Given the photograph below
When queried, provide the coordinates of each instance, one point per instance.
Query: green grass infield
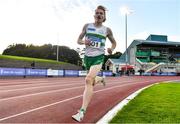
(157, 104)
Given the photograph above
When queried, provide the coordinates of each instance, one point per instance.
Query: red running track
(54, 100)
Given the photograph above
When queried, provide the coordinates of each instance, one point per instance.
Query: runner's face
(99, 15)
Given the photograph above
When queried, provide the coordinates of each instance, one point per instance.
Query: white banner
(82, 73)
(51, 72)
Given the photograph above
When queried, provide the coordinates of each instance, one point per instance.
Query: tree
(46, 51)
(113, 56)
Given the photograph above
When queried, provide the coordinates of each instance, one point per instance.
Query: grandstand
(155, 54)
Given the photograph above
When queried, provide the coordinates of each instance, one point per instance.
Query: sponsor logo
(91, 29)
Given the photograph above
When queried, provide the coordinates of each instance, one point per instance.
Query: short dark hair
(104, 9)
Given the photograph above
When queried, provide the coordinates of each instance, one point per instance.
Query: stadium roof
(160, 40)
(172, 43)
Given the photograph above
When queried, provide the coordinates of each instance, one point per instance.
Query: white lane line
(33, 85)
(28, 79)
(54, 85)
(15, 97)
(14, 82)
(50, 85)
(40, 93)
(42, 107)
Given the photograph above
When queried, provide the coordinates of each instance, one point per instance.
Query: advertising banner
(100, 73)
(107, 73)
(12, 72)
(82, 73)
(36, 72)
(51, 72)
(61, 73)
(172, 73)
(71, 73)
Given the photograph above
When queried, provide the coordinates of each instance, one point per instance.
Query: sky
(40, 22)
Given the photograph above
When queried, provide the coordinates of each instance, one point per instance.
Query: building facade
(155, 53)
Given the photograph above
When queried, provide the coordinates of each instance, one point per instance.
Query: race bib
(95, 42)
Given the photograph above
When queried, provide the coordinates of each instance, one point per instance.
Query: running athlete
(93, 36)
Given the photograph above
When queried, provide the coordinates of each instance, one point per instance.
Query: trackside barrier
(82, 73)
(60, 73)
(51, 72)
(5, 72)
(107, 73)
(36, 72)
(160, 74)
(70, 73)
(12, 72)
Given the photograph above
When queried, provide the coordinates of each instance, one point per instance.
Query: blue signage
(100, 73)
(107, 73)
(71, 73)
(12, 72)
(36, 72)
(60, 72)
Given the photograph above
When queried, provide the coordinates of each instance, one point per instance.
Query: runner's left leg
(99, 79)
(88, 92)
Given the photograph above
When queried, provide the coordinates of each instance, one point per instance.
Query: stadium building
(155, 54)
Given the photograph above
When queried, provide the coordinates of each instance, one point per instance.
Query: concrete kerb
(107, 117)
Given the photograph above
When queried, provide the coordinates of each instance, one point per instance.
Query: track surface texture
(55, 100)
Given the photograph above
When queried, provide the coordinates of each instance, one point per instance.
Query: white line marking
(50, 85)
(39, 93)
(33, 85)
(42, 107)
(45, 92)
(39, 87)
(25, 82)
(32, 110)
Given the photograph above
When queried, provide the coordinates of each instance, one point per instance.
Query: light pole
(126, 11)
(57, 54)
(126, 40)
(57, 49)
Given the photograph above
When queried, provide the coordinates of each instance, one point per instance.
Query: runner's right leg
(88, 92)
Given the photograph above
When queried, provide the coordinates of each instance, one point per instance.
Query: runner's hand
(87, 42)
(110, 51)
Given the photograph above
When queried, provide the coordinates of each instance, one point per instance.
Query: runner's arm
(80, 40)
(112, 40)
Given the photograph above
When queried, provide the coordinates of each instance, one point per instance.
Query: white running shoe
(79, 116)
(103, 80)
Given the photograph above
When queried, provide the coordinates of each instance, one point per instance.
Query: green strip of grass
(29, 59)
(157, 104)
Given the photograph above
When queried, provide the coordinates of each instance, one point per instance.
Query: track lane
(51, 105)
(62, 111)
(45, 82)
(33, 90)
(31, 101)
(40, 89)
